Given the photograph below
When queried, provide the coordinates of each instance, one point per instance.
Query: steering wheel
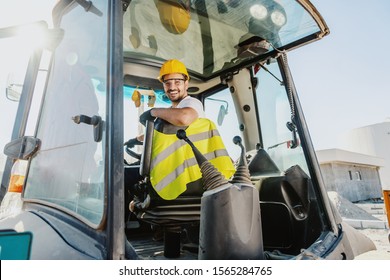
(131, 152)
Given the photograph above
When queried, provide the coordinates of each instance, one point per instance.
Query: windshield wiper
(266, 69)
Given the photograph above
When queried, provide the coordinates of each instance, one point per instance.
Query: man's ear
(186, 84)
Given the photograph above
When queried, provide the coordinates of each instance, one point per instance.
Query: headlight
(278, 18)
(258, 11)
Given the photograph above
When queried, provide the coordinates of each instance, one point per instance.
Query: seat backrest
(147, 149)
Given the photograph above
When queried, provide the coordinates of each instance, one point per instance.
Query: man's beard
(176, 96)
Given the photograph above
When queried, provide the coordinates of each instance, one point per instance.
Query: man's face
(175, 87)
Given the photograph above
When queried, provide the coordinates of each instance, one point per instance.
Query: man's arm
(176, 116)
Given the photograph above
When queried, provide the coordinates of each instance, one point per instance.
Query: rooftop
(348, 157)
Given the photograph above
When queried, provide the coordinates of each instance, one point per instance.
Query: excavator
(94, 72)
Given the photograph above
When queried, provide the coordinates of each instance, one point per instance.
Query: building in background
(372, 140)
(352, 175)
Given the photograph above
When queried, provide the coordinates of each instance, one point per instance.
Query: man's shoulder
(189, 99)
(194, 103)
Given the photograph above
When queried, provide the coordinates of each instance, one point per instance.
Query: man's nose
(171, 86)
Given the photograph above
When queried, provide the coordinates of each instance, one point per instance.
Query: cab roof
(216, 37)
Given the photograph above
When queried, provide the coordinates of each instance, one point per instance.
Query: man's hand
(146, 116)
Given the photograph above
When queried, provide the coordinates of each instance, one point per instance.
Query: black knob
(237, 140)
(181, 134)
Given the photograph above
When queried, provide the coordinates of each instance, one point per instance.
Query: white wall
(372, 140)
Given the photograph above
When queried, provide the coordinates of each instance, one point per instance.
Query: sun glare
(31, 36)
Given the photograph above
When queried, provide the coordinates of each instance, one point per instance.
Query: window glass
(212, 30)
(358, 176)
(136, 101)
(68, 170)
(275, 115)
(220, 109)
(38, 92)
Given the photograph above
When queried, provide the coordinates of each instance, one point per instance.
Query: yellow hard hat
(173, 66)
(174, 16)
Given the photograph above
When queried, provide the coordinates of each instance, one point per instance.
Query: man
(184, 110)
(173, 165)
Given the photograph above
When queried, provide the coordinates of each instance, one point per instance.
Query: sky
(342, 80)
(24, 11)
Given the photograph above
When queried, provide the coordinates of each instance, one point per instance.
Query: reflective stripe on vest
(173, 164)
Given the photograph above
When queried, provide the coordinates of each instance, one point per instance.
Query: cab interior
(289, 211)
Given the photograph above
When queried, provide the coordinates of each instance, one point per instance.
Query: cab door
(77, 172)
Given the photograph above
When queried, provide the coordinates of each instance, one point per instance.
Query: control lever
(212, 178)
(242, 175)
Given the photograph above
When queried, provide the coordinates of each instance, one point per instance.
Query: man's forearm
(176, 116)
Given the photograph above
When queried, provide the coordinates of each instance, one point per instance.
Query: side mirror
(221, 114)
(22, 148)
(223, 110)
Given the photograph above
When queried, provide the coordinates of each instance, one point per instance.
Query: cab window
(220, 109)
(275, 118)
(137, 100)
(68, 170)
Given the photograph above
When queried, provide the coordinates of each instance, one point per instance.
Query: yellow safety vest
(173, 163)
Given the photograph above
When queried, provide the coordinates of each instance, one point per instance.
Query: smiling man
(173, 167)
(185, 109)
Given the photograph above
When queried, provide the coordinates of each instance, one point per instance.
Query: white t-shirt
(193, 103)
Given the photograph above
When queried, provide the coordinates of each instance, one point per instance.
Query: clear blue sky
(344, 79)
